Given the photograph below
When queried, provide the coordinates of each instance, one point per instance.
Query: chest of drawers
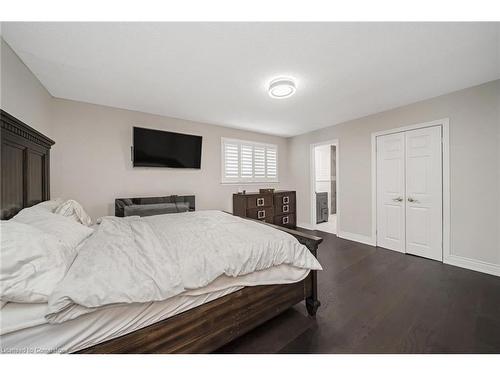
(276, 208)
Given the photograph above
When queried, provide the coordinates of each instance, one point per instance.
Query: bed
(194, 321)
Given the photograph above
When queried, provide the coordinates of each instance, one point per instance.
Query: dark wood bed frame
(25, 171)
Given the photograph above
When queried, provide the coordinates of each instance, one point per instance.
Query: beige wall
(91, 159)
(474, 115)
(22, 95)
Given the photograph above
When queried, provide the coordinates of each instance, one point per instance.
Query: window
(244, 161)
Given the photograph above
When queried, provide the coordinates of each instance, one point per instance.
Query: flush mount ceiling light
(281, 88)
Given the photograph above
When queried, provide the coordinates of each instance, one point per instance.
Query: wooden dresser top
(255, 193)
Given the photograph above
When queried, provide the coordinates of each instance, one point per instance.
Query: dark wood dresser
(276, 208)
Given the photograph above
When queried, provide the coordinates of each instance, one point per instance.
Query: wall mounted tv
(156, 148)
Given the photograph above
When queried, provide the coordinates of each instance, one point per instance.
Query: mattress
(24, 329)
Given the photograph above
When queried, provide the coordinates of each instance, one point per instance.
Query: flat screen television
(156, 148)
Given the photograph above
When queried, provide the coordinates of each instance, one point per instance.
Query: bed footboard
(312, 243)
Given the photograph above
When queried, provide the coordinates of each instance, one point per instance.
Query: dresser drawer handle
(285, 219)
(260, 202)
(285, 208)
(286, 200)
(261, 214)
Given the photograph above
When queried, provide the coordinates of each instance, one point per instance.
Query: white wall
(323, 171)
(474, 115)
(322, 163)
(91, 159)
(22, 95)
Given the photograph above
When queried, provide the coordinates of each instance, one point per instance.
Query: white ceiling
(217, 72)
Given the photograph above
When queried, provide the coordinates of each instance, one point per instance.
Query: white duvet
(134, 259)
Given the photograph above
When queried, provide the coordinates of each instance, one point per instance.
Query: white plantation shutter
(244, 161)
(259, 162)
(231, 161)
(271, 162)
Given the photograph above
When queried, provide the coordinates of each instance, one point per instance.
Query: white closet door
(424, 193)
(391, 191)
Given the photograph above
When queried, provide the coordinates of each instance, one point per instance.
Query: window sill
(249, 183)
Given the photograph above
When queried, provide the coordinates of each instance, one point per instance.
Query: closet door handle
(398, 199)
(411, 200)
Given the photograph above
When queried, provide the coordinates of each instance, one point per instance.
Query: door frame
(312, 180)
(445, 124)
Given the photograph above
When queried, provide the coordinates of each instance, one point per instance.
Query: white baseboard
(453, 260)
(472, 264)
(306, 226)
(356, 237)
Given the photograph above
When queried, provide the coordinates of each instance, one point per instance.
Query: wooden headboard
(25, 166)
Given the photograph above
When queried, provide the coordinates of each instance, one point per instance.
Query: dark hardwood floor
(380, 301)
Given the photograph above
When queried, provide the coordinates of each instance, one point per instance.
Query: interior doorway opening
(324, 183)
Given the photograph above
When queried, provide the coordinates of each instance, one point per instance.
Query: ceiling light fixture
(281, 88)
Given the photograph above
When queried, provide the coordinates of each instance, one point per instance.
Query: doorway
(412, 190)
(324, 186)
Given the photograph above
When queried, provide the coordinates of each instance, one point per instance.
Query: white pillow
(31, 263)
(50, 205)
(75, 211)
(61, 227)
